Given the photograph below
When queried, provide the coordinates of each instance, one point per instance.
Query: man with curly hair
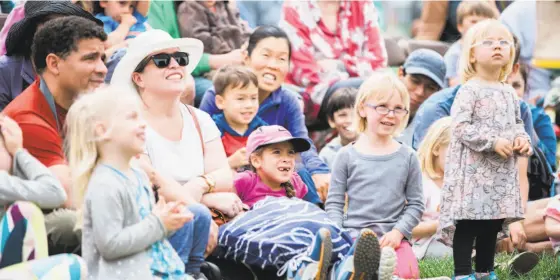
(68, 56)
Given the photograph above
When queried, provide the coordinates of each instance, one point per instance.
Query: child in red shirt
(237, 95)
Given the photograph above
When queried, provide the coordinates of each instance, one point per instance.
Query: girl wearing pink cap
(272, 155)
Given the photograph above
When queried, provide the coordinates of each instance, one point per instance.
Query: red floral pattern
(357, 45)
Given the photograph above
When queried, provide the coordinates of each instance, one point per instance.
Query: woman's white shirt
(181, 160)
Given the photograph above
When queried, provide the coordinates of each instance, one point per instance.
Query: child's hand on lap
(239, 158)
(503, 147)
(11, 131)
(391, 239)
(172, 215)
(522, 146)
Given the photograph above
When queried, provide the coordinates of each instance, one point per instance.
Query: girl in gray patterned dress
(481, 195)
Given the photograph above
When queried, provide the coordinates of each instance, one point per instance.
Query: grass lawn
(548, 268)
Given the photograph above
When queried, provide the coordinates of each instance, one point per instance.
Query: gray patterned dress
(478, 183)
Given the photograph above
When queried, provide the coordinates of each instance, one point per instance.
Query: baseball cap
(428, 63)
(273, 134)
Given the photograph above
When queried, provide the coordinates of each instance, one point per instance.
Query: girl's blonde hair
(81, 140)
(439, 134)
(476, 34)
(380, 87)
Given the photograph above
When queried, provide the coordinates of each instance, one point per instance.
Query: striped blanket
(276, 230)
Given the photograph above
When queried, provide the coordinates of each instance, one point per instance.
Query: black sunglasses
(162, 60)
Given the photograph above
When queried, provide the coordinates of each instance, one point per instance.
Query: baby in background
(340, 117)
(237, 95)
(468, 14)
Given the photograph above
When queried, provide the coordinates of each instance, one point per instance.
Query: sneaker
(362, 260)
(314, 264)
(522, 263)
(490, 276)
(387, 263)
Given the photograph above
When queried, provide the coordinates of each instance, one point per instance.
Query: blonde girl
(124, 230)
(431, 154)
(481, 193)
(380, 176)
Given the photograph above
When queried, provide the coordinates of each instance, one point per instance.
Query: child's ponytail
(290, 190)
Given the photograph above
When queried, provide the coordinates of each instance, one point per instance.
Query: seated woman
(184, 154)
(335, 44)
(268, 55)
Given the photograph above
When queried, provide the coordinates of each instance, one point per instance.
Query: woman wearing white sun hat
(184, 154)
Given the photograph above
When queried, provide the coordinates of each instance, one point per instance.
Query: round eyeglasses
(381, 109)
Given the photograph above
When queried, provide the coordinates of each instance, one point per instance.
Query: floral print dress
(478, 183)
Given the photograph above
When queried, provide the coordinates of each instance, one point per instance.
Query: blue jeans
(190, 241)
(201, 85)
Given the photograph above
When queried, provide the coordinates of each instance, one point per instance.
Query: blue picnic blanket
(276, 230)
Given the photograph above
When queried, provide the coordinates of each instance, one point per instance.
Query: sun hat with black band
(20, 36)
(148, 43)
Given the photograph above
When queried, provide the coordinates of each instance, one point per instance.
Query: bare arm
(169, 188)
(425, 229)
(143, 7)
(433, 18)
(62, 173)
(522, 165)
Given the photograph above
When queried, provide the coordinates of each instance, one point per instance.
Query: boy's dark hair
(475, 8)
(61, 36)
(341, 99)
(232, 76)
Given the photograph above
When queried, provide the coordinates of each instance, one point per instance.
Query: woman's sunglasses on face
(162, 60)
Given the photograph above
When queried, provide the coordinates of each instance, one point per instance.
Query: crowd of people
(175, 140)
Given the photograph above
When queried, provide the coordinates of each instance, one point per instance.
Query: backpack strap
(197, 125)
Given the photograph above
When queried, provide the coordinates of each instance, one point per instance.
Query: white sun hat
(150, 42)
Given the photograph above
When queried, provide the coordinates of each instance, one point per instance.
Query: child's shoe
(362, 261)
(315, 263)
(487, 276)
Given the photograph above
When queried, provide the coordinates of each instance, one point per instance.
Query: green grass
(548, 268)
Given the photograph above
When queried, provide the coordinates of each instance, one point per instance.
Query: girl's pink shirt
(17, 14)
(251, 189)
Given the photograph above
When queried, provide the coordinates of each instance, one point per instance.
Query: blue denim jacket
(439, 105)
(280, 108)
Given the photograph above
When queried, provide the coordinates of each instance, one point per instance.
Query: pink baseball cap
(273, 134)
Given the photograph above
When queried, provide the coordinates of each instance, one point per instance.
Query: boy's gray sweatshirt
(384, 192)
(31, 181)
